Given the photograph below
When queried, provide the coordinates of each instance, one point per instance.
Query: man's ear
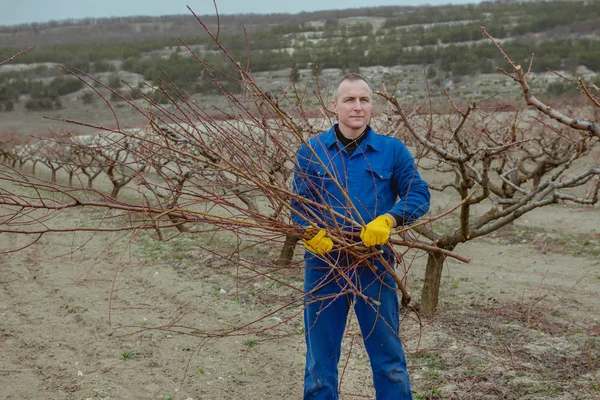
(334, 105)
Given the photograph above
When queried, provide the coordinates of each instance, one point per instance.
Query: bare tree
(591, 92)
(86, 160)
(501, 165)
(51, 154)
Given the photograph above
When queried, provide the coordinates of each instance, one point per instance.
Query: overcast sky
(24, 11)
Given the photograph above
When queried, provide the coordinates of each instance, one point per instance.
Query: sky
(14, 12)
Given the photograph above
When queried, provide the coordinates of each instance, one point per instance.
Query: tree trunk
(431, 287)
(91, 176)
(53, 179)
(33, 168)
(115, 190)
(175, 220)
(287, 252)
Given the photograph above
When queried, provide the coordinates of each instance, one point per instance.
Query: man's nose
(357, 105)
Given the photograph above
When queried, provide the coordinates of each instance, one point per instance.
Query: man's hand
(319, 244)
(377, 231)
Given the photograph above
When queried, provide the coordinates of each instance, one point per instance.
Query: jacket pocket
(378, 189)
(379, 173)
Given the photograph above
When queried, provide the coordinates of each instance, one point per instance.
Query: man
(345, 178)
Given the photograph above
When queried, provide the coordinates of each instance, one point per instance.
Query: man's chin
(358, 126)
(357, 123)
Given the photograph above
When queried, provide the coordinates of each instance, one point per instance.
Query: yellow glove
(319, 244)
(377, 231)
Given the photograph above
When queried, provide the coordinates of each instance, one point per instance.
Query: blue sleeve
(412, 189)
(301, 185)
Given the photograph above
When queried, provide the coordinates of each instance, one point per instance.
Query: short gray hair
(352, 77)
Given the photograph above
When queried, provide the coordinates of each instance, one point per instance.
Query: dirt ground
(111, 316)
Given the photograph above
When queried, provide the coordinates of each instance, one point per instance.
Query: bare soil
(111, 316)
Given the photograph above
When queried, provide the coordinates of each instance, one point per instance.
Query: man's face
(353, 107)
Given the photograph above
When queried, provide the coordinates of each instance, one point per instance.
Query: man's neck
(351, 133)
(349, 144)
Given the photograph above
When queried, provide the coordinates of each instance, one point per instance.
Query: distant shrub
(115, 96)
(62, 86)
(431, 72)
(102, 66)
(80, 64)
(135, 94)
(7, 92)
(87, 98)
(560, 88)
(159, 97)
(38, 104)
(38, 90)
(114, 82)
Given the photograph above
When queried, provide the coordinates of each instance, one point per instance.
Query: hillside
(387, 44)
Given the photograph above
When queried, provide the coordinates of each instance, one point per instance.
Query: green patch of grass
(186, 289)
(362, 361)
(474, 373)
(430, 394)
(456, 282)
(251, 343)
(177, 248)
(433, 374)
(431, 360)
(543, 389)
(559, 313)
(128, 355)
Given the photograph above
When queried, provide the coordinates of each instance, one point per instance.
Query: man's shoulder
(318, 137)
(321, 138)
(387, 140)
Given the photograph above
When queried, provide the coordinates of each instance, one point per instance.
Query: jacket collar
(329, 139)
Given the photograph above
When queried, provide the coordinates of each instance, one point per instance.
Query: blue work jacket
(378, 178)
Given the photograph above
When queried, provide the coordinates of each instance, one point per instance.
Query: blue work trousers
(325, 316)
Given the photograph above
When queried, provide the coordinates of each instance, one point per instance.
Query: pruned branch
(589, 126)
